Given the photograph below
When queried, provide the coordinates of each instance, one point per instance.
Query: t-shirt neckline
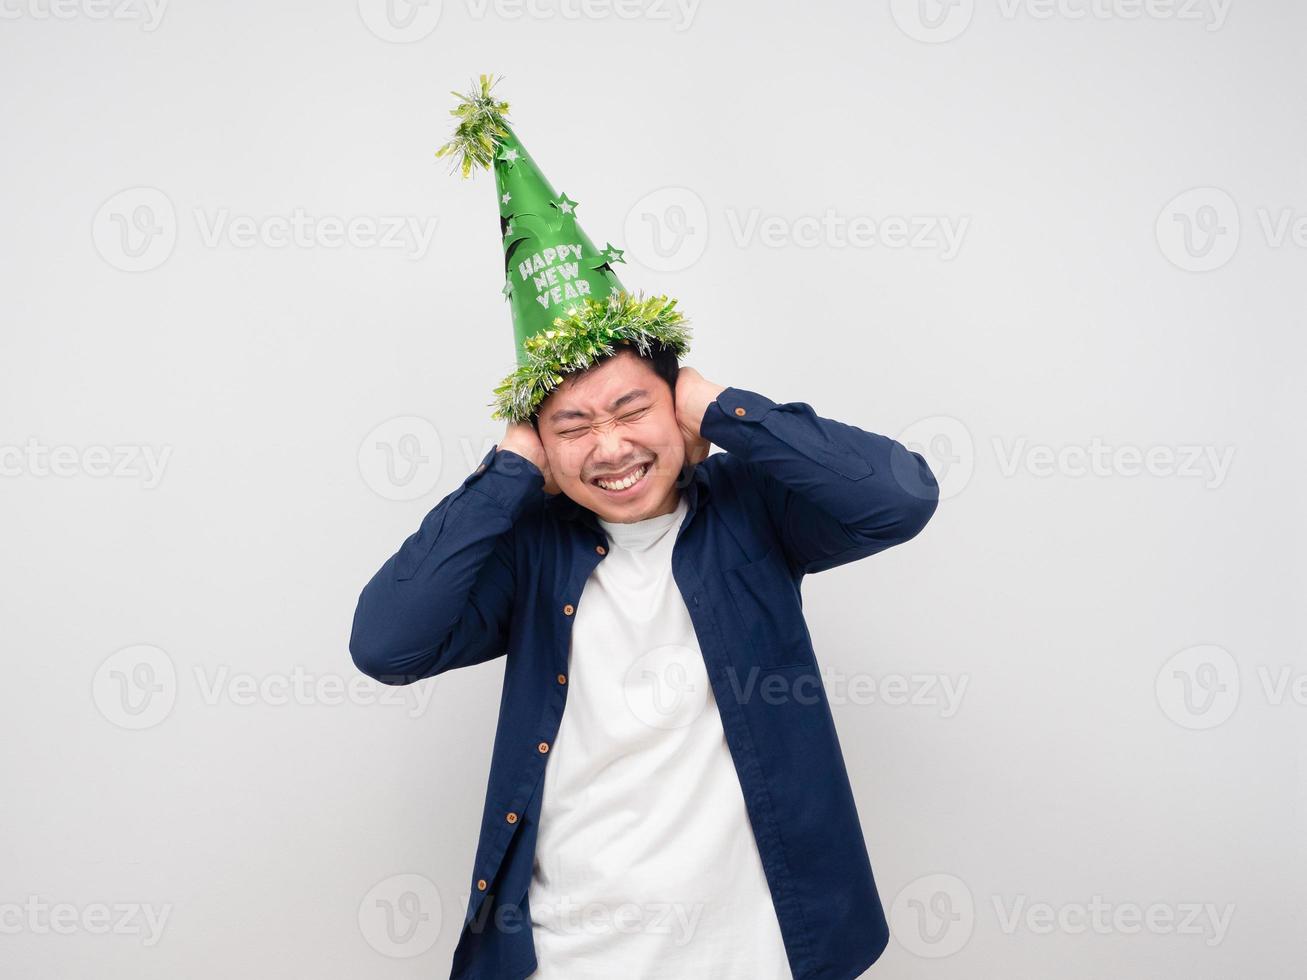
(642, 534)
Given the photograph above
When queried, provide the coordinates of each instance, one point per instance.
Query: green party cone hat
(569, 308)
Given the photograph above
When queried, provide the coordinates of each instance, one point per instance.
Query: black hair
(661, 358)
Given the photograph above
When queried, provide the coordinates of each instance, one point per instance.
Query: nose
(611, 447)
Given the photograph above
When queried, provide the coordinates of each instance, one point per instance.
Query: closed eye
(627, 417)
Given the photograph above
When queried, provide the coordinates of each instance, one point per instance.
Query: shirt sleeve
(444, 599)
(835, 492)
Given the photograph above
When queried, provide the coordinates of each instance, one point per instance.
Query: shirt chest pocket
(766, 602)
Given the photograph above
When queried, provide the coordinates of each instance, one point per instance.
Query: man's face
(615, 423)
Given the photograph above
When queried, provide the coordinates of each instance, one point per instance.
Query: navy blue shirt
(497, 568)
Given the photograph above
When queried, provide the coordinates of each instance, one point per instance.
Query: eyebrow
(566, 414)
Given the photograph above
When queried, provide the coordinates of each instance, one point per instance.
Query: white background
(1125, 636)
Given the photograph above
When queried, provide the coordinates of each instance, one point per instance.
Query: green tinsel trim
(580, 339)
(481, 126)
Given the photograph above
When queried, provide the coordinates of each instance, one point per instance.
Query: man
(689, 814)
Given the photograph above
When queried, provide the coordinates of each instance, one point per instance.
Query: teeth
(631, 480)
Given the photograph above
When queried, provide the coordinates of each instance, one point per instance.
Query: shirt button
(481, 468)
(739, 411)
(481, 884)
(562, 678)
(543, 747)
(568, 609)
(600, 548)
(511, 817)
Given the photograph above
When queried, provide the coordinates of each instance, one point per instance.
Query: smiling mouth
(623, 482)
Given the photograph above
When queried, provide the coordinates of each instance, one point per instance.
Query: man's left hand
(694, 393)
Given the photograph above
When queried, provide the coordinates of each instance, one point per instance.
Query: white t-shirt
(646, 867)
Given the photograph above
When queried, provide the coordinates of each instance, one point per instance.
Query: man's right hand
(521, 438)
